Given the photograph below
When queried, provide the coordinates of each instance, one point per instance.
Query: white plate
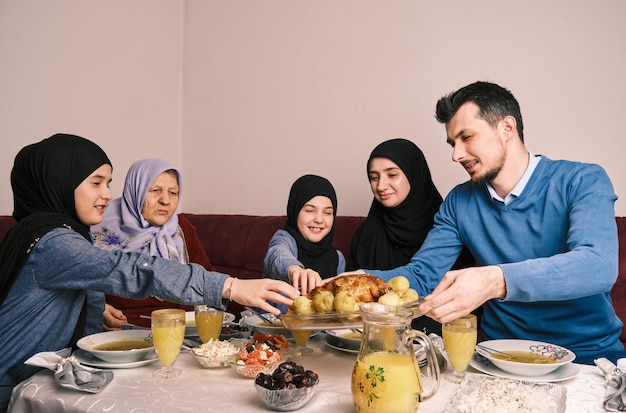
(333, 342)
(566, 372)
(543, 392)
(342, 336)
(89, 343)
(89, 359)
(557, 356)
(259, 325)
(190, 323)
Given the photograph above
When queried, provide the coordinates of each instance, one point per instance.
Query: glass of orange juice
(301, 338)
(459, 340)
(168, 332)
(208, 322)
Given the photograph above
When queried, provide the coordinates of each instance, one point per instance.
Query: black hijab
(43, 179)
(321, 256)
(389, 237)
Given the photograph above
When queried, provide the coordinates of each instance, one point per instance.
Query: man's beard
(491, 174)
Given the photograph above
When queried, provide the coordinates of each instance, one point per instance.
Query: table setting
(370, 358)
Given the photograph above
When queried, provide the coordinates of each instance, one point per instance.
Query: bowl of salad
(262, 354)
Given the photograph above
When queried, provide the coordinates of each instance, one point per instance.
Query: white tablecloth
(221, 390)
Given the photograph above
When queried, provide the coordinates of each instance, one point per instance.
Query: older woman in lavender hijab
(144, 220)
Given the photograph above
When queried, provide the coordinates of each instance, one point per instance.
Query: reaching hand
(112, 318)
(257, 293)
(303, 279)
(462, 291)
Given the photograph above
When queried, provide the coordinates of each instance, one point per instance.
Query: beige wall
(245, 96)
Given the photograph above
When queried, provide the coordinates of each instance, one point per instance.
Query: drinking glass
(459, 339)
(302, 338)
(168, 332)
(209, 322)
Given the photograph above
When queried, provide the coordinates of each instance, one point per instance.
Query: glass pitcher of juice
(386, 376)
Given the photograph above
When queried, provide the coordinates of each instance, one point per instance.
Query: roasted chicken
(364, 287)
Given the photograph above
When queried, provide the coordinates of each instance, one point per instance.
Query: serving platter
(483, 365)
(334, 320)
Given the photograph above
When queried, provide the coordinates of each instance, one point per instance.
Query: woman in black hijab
(302, 252)
(390, 236)
(401, 215)
(48, 263)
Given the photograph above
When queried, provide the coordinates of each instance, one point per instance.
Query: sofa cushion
(618, 293)
(239, 242)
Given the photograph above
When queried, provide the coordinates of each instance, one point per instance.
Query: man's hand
(462, 291)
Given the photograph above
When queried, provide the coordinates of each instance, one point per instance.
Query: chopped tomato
(263, 350)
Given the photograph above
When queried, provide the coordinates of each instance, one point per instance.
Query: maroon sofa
(236, 245)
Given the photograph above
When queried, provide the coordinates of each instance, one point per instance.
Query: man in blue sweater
(542, 232)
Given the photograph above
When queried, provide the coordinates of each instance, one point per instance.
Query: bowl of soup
(122, 346)
(525, 357)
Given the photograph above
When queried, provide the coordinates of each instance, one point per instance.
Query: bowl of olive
(288, 388)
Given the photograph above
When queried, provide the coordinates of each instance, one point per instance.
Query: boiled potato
(323, 302)
(399, 284)
(409, 296)
(303, 305)
(391, 298)
(344, 302)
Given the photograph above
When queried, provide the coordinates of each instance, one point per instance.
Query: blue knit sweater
(557, 246)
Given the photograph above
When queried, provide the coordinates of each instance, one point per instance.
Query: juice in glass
(386, 382)
(459, 343)
(208, 322)
(168, 332)
(167, 341)
(301, 337)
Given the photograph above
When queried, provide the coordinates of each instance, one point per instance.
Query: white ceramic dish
(190, 323)
(338, 345)
(88, 359)
(558, 355)
(260, 326)
(344, 338)
(483, 365)
(543, 397)
(88, 343)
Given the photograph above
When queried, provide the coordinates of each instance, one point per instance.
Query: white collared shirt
(532, 164)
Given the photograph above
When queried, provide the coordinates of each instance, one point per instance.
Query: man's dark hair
(494, 103)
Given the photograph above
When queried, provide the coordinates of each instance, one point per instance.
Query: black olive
(301, 380)
(313, 377)
(287, 365)
(284, 376)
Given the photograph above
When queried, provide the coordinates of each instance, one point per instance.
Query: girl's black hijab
(390, 236)
(43, 179)
(321, 256)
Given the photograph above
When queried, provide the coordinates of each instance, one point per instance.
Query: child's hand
(304, 279)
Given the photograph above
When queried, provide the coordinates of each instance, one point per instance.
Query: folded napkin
(615, 396)
(68, 372)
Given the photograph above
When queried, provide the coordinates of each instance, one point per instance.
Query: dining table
(200, 389)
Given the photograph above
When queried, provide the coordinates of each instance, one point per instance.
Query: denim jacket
(42, 308)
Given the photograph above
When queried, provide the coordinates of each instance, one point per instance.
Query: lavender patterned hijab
(124, 228)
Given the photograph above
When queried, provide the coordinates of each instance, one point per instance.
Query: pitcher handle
(431, 358)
